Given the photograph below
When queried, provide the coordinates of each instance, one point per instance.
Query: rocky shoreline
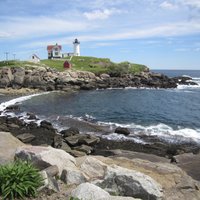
(48, 79)
(87, 162)
(78, 141)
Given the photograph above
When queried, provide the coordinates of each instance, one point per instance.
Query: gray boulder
(43, 157)
(92, 168)
(50, 184)
(122, 130)
(84, 148)
(125, 182)
(76, 153)
(69, 132)
(26, 137)
(8, 146)
(18, 73)
(6, 77)
(88, 191)
(72, 176)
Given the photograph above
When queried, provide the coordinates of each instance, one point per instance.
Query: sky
(162, 34)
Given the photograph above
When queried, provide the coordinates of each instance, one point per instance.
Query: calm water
(168, 113)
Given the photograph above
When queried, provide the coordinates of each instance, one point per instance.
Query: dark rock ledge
(79, 144)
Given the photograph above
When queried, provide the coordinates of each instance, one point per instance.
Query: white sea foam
(18, 100)
(120, 137)
(160, 130)
(194, 79)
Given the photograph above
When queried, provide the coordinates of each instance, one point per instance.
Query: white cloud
(193, 3)
(4, 34)
(40, 26)
(100, 14)
(167, 5)
(182, 49)
(103, 44)
(164, 31)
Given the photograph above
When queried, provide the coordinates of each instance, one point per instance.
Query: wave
(195, 80)
(18, 100)
(160, 130)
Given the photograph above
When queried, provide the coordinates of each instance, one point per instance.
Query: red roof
(50, 47)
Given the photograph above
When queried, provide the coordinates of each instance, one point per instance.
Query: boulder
(132, 183)
(175, 182)
(47, 125)
(104, 76)
(92, 168)
(76, 153)
(121, 198)
(26, 137)
(18, 73)
(52, 170)
(8, 146)
(57, 141)
(190, 163)
(72, 176)
(84, 148)
(72, 140)
(66, 147)
(6, 77)
(88, 191)
(50, 184)
(43, 157)
(89, 140)
(70, 132)
(122, 130)
(13, 107)
(31, 116)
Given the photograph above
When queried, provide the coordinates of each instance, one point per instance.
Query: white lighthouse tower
(76, 47)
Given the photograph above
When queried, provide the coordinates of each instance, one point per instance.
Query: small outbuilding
(67, 64)
(35, 58)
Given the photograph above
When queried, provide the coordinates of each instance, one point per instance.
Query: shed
(67, 64)
(35, 58)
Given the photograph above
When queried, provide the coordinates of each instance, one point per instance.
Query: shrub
(19, 179)
(117, 70)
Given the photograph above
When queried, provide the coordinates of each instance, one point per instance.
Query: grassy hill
(96, 65)
(83, 63)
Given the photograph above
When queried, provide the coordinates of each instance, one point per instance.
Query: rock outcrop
(48, 79)
(8, 146)
(43, 157)
(134, 178)
(128, 182)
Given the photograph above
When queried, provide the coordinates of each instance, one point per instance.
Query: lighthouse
(76, 47)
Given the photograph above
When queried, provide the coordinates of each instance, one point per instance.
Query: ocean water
(171, 114)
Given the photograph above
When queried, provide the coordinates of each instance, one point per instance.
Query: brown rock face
(8, 146)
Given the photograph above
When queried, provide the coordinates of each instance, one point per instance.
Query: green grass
(96, 65)
(83, 63)
(16, 63)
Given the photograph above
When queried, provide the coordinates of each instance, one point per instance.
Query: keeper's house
(54, 51)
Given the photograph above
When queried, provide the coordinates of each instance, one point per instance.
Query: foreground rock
(136, 178)
(190, 163)
(176, 184)
(43, 157)
(8, 146)
(88, 191)
(126, 182)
